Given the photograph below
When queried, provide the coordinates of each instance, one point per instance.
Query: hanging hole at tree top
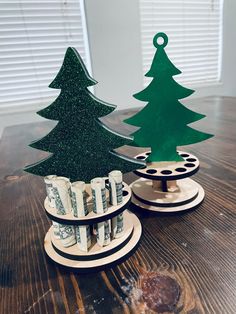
(162, 38)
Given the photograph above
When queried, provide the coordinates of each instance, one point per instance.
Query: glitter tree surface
(81, 145)
(163, 122)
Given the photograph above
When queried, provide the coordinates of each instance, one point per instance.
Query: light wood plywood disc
(186, 192)
(189, 195)
(85, 266)
(96, 251)
(168, 170)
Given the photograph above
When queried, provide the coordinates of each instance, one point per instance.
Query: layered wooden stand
(97, 256)
(165, 186)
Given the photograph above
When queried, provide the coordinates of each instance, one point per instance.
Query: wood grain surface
(185, 262)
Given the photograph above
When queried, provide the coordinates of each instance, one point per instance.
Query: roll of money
(78, 199)
(67, 235)
(56, 231)
(117, 226)
(115, 184)
(80, 209)
(49, 188)
(83, 237)
(99, 195)
(103, 232)
(61, 191)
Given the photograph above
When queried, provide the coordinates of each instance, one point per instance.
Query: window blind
(34, 35)
(194, 31)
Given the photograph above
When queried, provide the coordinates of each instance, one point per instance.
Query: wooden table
(192, 255)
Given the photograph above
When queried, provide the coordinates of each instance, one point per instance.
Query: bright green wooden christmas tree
(81, 145)
(164, 122)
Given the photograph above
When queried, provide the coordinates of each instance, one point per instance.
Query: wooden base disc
(95, 251)
(189, 195)
(86, 266)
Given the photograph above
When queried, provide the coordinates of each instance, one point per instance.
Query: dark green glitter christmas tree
(163, 122)
(81, 145)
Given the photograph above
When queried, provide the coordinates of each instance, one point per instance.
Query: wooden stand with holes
(165, 186)
(97, 256)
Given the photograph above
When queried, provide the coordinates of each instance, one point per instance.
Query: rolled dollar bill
(78, 199)
(115, 184)
(67, 235)
(103, 231)
(56, 231)
(80, 209)
(49, 188)
(61, 191)
(99, 195)
(117, 226)
(83, 237)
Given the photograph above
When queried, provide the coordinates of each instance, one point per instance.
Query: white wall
(229, 48)
(115, 47)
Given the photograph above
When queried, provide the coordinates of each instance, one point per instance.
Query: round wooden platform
(168, 170)
(95, 251)
(189, 195)
(86, 265)
(91, 218)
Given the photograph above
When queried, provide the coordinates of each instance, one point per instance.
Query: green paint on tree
(81, 145)
(163, 122)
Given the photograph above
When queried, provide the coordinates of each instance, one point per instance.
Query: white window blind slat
(34, 36)
(194, 31)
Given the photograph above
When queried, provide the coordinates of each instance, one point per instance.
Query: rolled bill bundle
(78, 199)
(103, 229)
(103, 232)
(117, 226)
(61, 190)
(115, 184)
(49, 188)
(83, 237)
(56, 231)
(67, 235)
(99, 195)
(80, 209)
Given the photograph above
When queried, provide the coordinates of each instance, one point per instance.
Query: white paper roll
(78, 199)
(115, 183)
(61, 190)
(118, 226)
(49, 188)
(67, 235)
(56, 231)
(99, 195)
(83, 237)
(103, 233)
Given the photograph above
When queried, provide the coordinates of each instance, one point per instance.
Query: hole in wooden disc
(148, 153)
(191, 159)
(180, 169)
(125, 193)
(189, 165)
(184, 155)
(141, 157)
(166, 171)
(151, 171)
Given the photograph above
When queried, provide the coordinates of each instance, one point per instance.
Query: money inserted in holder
(73, 199)
(80, 209)
(103, 229)
(116, 197)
